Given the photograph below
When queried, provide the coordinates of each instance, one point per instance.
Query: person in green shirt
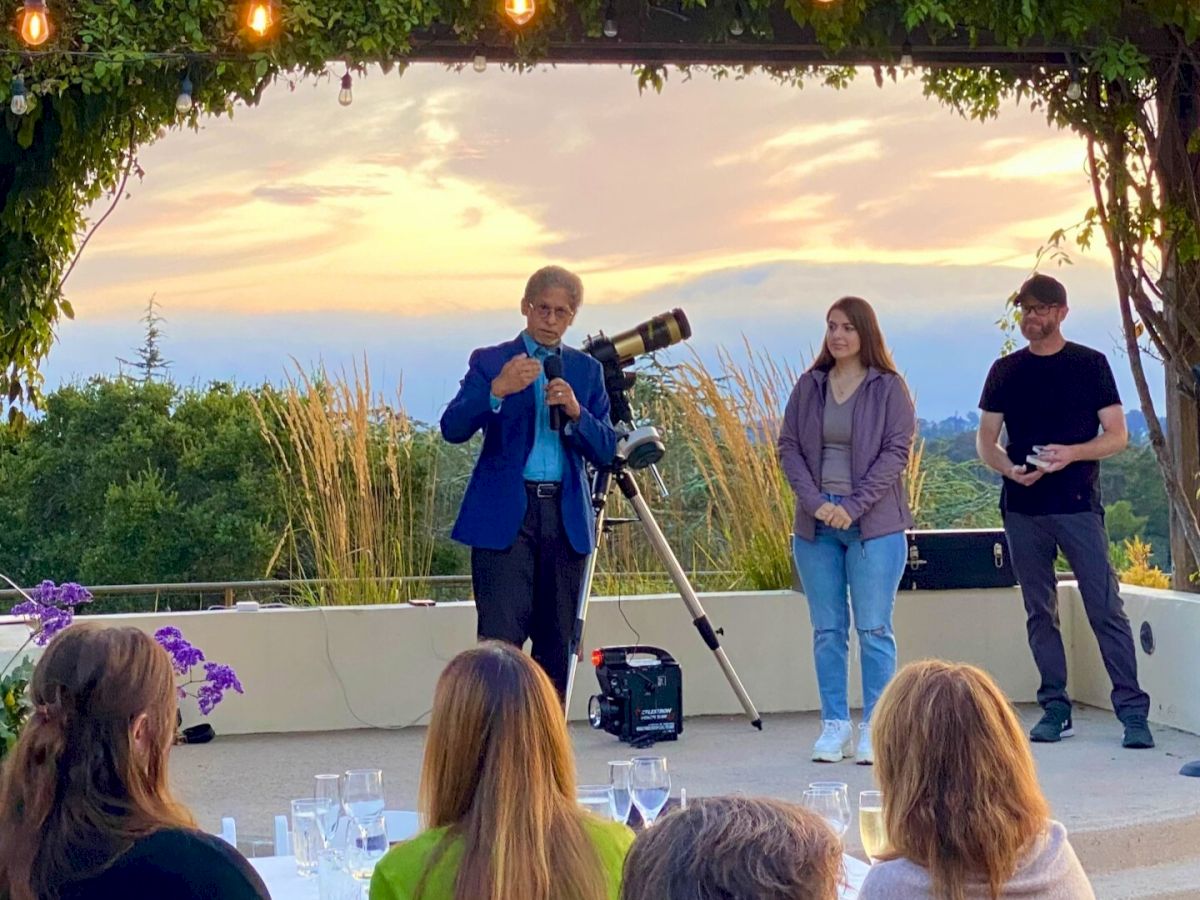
(498, 796)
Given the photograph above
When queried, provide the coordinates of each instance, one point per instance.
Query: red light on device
(597, 658)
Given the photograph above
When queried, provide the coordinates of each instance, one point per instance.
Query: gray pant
(1034, 542)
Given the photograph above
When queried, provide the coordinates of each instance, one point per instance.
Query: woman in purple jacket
(844, 447)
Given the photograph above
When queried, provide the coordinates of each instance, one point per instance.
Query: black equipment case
(967, 558)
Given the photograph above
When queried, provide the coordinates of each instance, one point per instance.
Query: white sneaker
(835, 741)
(866, 753)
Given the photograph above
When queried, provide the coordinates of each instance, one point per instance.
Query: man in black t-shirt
(1059, 405)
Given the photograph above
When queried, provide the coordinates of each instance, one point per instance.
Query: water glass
(843, 794)
(620, 777)
(651, 783)
(334, 881)
(596, 799)
(870, 823)
(308, 837)
(828, 805)
(362, 793)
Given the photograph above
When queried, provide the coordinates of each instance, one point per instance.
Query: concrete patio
(1134, 821)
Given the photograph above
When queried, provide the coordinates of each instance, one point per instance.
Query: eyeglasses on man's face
(1037, 309)
(548, 312)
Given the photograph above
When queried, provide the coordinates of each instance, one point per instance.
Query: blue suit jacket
(494, 505)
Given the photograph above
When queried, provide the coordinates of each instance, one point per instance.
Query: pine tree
(150, 362)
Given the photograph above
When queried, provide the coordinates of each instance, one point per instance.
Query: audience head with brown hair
(961, 799)
(88, 774)
(735, 848)
(498, 794)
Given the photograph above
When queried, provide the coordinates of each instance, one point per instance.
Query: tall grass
(727, 416)
(358, 480)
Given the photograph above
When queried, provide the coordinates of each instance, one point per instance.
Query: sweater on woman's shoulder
(1049, 871)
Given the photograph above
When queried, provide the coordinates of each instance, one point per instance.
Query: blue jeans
(834, 562)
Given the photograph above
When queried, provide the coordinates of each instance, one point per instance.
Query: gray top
(835, 448)
(1050, 870)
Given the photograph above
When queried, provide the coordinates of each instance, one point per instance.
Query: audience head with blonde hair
(735, 848)
(499, 773)
(960, 791)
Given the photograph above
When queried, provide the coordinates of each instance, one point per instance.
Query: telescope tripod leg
(600, 487)
(658, 541)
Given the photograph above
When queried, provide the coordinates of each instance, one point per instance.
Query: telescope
(620, 351)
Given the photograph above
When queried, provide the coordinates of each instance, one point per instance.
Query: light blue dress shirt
(546, 459)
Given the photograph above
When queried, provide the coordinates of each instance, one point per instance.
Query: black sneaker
(1054, 725)
(1137, 733)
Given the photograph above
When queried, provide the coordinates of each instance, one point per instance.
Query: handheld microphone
(554, 369)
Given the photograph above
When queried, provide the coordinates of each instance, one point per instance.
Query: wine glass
(620, 777)
(870, 823)
(327, 791)
(362, 793)
(828, 805)
(843, 794)
(596, 798)
(651, 785)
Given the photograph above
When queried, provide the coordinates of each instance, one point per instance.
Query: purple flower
(183, 654)
(218, 679)
(51, 608)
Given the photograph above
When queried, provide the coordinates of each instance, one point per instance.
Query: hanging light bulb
(907, 66)
(1074, 88)
(35, 23)
(737, 26)
(183, 103)
(479, 64)
(20, 102)
(520, 11)
(261, 17)
(346, 94)
(610, 21)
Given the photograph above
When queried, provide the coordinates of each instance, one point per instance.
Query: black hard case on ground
(968, 558)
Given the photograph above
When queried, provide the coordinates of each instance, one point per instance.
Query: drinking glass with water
(362, 793)
(651, 784)
(308, 836)
(597, 799)
(827, 803)
(620, 777)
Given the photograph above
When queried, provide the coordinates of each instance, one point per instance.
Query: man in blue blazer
(527, 513)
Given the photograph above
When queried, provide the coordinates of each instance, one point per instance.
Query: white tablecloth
(279, 872)
(282, 880)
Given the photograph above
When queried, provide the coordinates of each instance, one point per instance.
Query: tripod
(618, 471)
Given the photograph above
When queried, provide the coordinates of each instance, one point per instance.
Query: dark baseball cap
(1043, 289)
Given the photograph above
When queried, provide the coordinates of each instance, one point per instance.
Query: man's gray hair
(549, 277)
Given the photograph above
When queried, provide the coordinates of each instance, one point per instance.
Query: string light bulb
(261, 17)
(737, 26)
(1074, 87)
(183, 103)
(520, 11)
(479, 63)
(346, 94)
(20, 102)
(907, 66)
(35, 23)
(610, 21)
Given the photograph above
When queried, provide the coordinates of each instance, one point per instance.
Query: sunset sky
(403, 228)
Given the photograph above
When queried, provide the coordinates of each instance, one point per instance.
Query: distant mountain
(956, 424)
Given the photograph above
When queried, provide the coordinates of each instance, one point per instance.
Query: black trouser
(1034, 542)
(530, 590)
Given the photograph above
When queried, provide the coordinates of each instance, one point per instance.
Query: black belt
(543, 489)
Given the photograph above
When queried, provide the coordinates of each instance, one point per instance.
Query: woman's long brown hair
(873, 351)
(76, 791)
(960, 791)
(499, 773)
